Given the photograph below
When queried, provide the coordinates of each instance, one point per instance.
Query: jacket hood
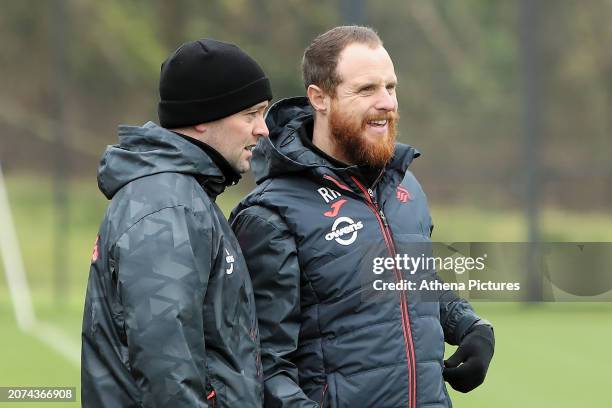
(151, 149)
(283, 152)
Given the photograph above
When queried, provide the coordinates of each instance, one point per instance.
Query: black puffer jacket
(169, 316)
(310, 232)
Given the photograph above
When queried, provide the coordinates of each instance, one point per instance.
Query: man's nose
(261, 129)
(387, 101)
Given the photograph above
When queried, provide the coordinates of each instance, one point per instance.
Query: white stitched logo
(328, 194)
(230, 260)
(338, 230)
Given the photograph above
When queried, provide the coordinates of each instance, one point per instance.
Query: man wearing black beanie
(169, 316)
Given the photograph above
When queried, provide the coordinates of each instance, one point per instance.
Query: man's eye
(367, 89)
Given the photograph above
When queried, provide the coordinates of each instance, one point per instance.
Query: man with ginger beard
(334, 192)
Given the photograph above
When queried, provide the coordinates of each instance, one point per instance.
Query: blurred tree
(457, 62)
(59, 31)
(171, 16)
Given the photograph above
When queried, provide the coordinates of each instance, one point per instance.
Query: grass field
(550, 355)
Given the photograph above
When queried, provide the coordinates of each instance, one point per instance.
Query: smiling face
(235, 136)
(363, 111)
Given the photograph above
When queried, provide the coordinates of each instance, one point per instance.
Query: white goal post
(19, 290)
(13, 264)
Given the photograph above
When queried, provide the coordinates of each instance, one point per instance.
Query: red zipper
(336, 182)
(211, 397)
(323, 396)
(380, 216)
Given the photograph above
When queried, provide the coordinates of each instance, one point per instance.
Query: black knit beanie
(206, 80)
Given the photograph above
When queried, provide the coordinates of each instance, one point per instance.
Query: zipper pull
(382, 217)
(372, 197)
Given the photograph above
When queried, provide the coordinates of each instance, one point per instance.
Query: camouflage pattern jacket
(169, 316)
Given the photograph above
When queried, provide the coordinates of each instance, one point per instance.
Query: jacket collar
(284, 151)
(151, 149)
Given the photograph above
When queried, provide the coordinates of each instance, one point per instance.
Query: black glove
(467, 368)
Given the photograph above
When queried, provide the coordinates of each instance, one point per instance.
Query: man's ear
(318, 98)
(200, 128)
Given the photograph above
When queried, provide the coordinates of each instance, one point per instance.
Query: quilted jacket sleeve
(271, 255)
(456, 314)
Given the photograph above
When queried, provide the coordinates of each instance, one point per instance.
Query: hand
(467, 368)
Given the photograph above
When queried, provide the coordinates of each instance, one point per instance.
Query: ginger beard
(351, 142)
